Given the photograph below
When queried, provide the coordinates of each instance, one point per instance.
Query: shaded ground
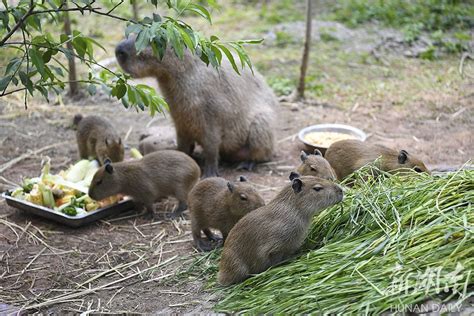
(126, 264)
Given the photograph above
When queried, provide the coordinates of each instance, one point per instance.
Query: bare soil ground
(125, 264)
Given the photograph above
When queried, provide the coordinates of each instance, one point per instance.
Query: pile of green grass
(393, 242)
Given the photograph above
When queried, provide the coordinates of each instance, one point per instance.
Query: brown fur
(274, 232)
(315, 165)
(155, 176)
(97, 138)
(229, 115)
(346, 156)
(154, 143)
(218, 203)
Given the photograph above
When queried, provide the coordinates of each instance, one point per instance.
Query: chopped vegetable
(70, 210)
(135, 153)
(27, 185)
(92, 169)
(48, 198)
(65, 192)
(35, 196)
(78, 171)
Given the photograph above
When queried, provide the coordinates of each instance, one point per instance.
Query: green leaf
(251, 41)
(187, 40)
(132, 96)
(5, 18)
(4, 82)
(132, 28)
(47, 56)
(25, 80)
(37, 60)
(92, 89)
(121, 89)
(215, 49)
(230, 57)
(157, 17)
(200, 10)
(80, 46)
(175, 40)
(43, 91)
(13, 66)
(142, 40)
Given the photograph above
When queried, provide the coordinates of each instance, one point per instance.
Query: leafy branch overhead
(38, 56)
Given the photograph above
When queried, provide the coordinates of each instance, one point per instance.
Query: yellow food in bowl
(325, 139)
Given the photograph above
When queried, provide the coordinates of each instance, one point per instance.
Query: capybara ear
(230, 186)
(242, 179)
(297, 185)
(317, 152)
(294, 175)
(303, 156)
(107, 161)
(402, 156)
(109, 168)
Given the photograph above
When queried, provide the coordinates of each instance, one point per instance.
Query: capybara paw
(204, 246)
(246, 165)
(214, 238)
(174, 215)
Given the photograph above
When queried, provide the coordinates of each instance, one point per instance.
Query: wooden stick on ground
(16, 160)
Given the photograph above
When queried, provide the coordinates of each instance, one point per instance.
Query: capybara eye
(317, 188)
(313, 169)
(99, 182)
(243, 197)
(417, 169)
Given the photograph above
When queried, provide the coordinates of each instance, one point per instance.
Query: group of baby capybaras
(255, 236)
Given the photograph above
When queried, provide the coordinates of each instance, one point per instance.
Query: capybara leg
(185, 144)
(210, 235)
(82, 150)
(182, 206)
(200, 244)
(150, 210)
(246, 165)
(196, 232)
(139, 207)
(260, 141)
(211, 158)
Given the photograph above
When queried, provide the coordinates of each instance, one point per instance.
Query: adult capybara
(230, 115)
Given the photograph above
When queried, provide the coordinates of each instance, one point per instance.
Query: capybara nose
(121, 52)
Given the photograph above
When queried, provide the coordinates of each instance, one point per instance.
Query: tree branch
(19, 23)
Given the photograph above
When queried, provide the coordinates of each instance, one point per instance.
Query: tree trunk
(307, 46)
(135, 9)
(73, 85)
